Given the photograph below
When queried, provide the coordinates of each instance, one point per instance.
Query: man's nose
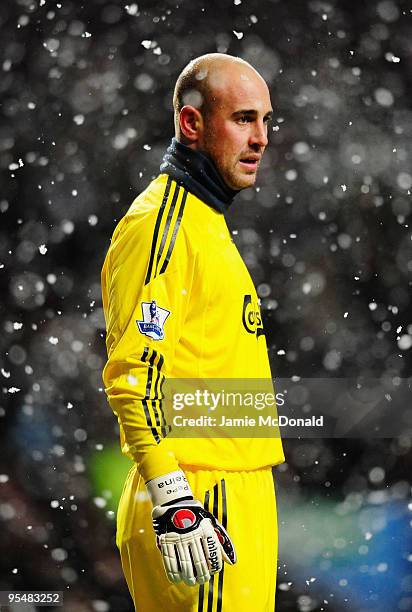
(259, 135)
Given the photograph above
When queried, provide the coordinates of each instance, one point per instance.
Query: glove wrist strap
(168, 488)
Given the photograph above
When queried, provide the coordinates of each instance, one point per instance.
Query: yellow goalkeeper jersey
(179, 303)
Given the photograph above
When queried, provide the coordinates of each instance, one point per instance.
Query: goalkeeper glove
(193, 543)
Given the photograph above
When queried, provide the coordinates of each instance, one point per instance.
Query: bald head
(203, 81)
(222, 108)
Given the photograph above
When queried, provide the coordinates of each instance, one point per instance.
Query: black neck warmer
(198, 174)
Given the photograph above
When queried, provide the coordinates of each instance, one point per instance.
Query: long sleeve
(146, 284)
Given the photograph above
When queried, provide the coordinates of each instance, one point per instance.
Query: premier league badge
(154, 319)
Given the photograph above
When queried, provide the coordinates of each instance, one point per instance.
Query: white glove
(191, 540)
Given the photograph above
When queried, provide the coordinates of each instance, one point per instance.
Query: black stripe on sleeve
(157, 390)
(149, 387)
(154, 401)
(167, 226)
(175, 230)
(149, 421)
(144, 400)
(156, 229)
(150, 374)
(158, 396)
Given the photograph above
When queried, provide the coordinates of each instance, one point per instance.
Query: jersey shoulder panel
(152, 231)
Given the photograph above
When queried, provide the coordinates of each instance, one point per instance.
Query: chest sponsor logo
(251, 318)
(154, 319)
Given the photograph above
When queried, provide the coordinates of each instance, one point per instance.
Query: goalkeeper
(196, 524)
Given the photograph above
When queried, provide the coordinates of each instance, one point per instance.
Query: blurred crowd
(85, 103)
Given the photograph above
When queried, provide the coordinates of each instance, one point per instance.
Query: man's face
(235, 128)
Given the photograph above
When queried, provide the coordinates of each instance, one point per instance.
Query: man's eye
(244, 119)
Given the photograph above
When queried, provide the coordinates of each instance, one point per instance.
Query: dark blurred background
(86, 94)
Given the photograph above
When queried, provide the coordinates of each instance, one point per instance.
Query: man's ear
(191, 123)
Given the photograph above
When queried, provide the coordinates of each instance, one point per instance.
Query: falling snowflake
(131, 9)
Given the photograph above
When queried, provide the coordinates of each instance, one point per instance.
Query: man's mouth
(250, 161)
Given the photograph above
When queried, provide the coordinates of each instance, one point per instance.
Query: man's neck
(196, 171)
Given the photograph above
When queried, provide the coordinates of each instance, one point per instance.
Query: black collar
(198, 174)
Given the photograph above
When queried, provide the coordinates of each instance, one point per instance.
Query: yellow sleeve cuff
(157, 462)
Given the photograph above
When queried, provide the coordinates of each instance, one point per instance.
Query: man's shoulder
(143, 211)
(166, 197)
(157, 218)
(165, 212)
(149, 201)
